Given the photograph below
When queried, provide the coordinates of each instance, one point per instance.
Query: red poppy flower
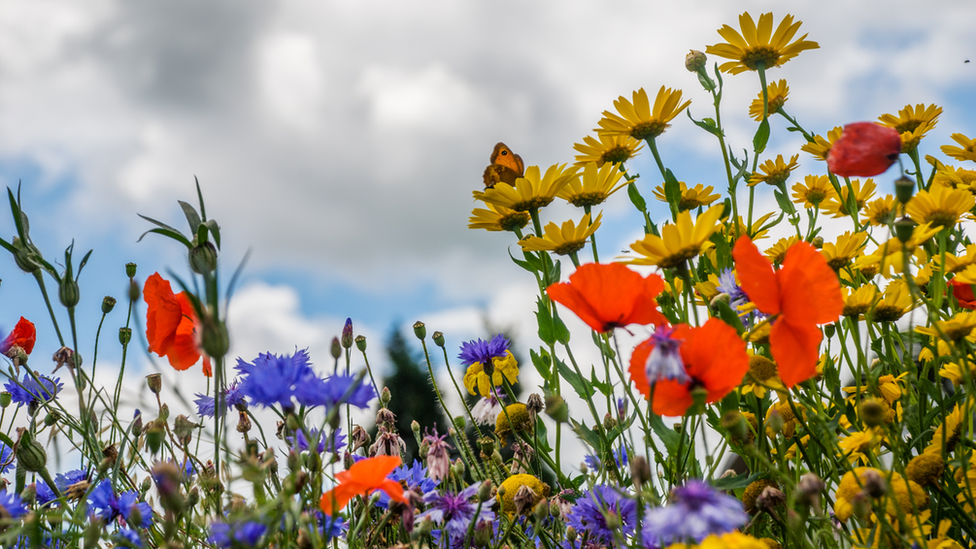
(363, 478)
(171, 325)
(864, 149)
(805, 292)
(714, 357)
(963, 294)
(610, 295)
(23, 336)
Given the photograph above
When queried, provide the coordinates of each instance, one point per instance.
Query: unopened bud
(68, 292)
(385, 396)
(134, 291)
(5, 399)
(215, 340)
(347, 338)
(872, 412)
(904, 228)
(770, 498)
(640, 470)
(51, 418)
(775, 422)
(484, 491)
(30, 454)
(874, 483)
(809, 488)
(695, 61)
(203, 258)
(557, 409)
(335, 349)
(609, 422)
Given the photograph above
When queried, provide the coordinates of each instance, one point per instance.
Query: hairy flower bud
(640, 470)
(557, 409)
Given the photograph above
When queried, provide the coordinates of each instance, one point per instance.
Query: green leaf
(762, 137)
(734, 483)
(784, 202)
(588, 435)
(723, 311)
(560, 330)
(542, 363)
(542, 436)
(547, 331)
(636, 198)
(604, 387)
(175, 235)
(706, 124)
(527, 264)
(214, 230)
(191, 215)
(668, 436)
(580, 385)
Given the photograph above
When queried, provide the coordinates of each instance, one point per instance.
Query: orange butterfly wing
(506, 166)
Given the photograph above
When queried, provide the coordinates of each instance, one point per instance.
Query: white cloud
(291, 79)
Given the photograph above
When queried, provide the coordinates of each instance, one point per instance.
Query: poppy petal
(393, 489)
(716, 356)
(756, 276)
(163, 315)
(671, 398)
(610, 295)
(809, 288)
(24, 335)
(638, 373)
(795, 349)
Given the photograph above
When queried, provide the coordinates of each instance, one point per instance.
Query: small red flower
(171, 325)
(864, 149)
(363, 478)
(805, 292)
(714, 358)
(610, 295)
(963, 294)
(23, 336)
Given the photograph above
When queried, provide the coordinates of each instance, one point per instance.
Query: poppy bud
(420, 330)
(865, 149)
(361, 343)
(108, 303)
(5, 398)
(130, 270)
(134, 291)
(347, 334)
(125, 335)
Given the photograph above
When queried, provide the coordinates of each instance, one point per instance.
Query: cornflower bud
(361, 343)
(347, 334)
(5, 398)
(183, 429)
(609, 422)
(695, 61)
(108, 303)
(130, 270)
(640, 470)
(482, 534)
(155, 383)
(51, 418)
(557, 409)
(541, 513)
(809, 488)
(30, 455)
(420, 330)
(385, 396)
(137, 424)
(335, 348)
(484, 491)
(571, 534)
(125, 335)
(154, 436)
(438, 338)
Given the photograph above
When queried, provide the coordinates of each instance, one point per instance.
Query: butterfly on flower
(505, 167)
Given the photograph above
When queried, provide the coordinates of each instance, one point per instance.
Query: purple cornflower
(104, 504)
(31, 390)
(619, 455)
(415, 478)
(11, 503)
(326, 443)
(335, 390)
(232, 397)
(128, 538)
(592, 509)
(696, 511)
(6, 457)
(245, 534)
(737, 297)
(278, 380)
(456, 511)
(483, 351)
(44, 492)
(664, 362)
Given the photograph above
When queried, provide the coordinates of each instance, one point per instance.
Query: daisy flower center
(645, 130)
(764, 55)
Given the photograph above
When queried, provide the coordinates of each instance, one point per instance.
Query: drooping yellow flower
(564, 240)
(896, 301)
(889, 388)
(836, 205)
(954, 373)
(859, 301)
(957, 178)
(954, 264)
(637, 119)
(912, 123)
(966, 152)
(847, 247)
(758, 230)
(904, 496)
(776, 94)
(478, 382)
(941, 206)
(814, 190)
(956, 328)
(777, 253)
(678, 242)
(890, 255)
(820, 147)
(604, 148)
(947, 434)
(758, 46)
(497, 218)
(529, 192)
(774, 172)
(692, 198)
(593, 186)
(880, 212)
(762, 376)
(858, 444)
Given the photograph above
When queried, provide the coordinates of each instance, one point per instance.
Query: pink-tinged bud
(864, 149)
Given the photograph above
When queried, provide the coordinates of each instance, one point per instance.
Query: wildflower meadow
(747, 393)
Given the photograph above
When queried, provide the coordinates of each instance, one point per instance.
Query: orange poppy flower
(805, 292)
(610, 295)
(714, 358)
(23, 336)
(363, 478)
(864, 149)
(963, 294)
(171, 325)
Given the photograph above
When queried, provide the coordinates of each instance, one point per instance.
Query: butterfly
(505, 167)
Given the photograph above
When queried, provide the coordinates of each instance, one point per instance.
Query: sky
(338, 142)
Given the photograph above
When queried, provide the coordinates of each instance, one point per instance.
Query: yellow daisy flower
(847, 247)
(777, 253)
(820, 147)
(762, 376)
(564, 240)
(955, 264)
(814, 190)
(966, 276)
(678, 242)
(478, 382)
(941, 206)
(851, 485)
(897, 301)
(889, 388)
(890, 255)
(637, 119)
(837, 205)
(856, 445)
(758, 46)
(947, 434)
(497, 218)
(776, 94)
(758, 231)
(593, 186)
(530, 192)
(956, 328)
(614, 149)
(957, 178)
(953, 372)
(966, 152)
(912, 123)
(732, 540)
(880, 212)
(859, 301)
(692, 198)
(707, 289)
(510, 488)
(774, 172)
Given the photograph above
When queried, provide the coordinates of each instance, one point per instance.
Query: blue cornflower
(591, 510)
(104, 504)
(664, 362)
(128, 538)
(619, 455)
(31, 390)
(232, 397)
(326, 443)
(696, 511)
(12, 504)
(335, 390)
(44, 492)
(6, 457)
(456, 511)
(415, 477)
(483, 351)
(273, 379)
(243, 533)
(737, 297)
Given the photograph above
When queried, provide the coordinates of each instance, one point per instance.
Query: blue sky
(340, 141)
